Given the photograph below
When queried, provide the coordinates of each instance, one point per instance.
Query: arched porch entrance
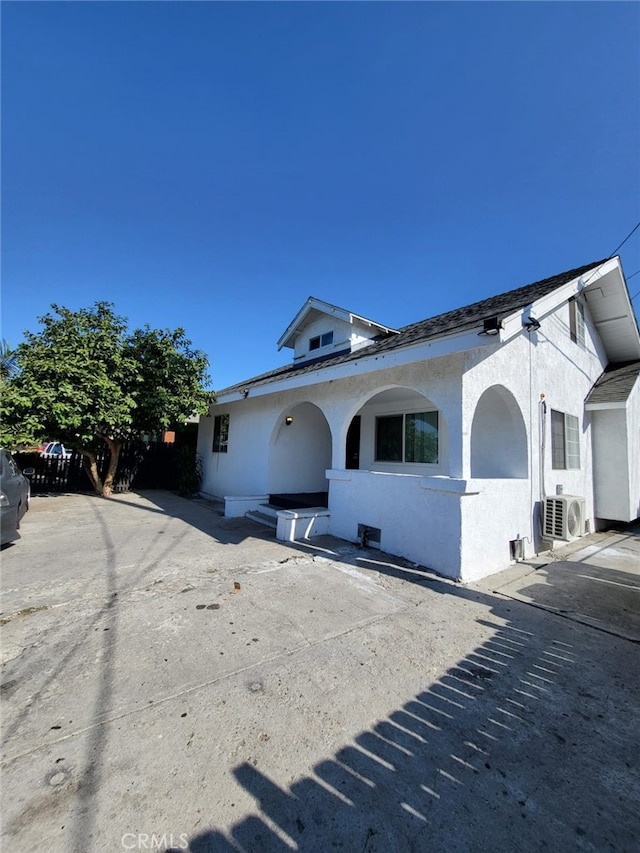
(498, 437)
(299, 456)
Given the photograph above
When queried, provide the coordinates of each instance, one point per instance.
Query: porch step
(299, 500)
(265, 518)
(270, 509)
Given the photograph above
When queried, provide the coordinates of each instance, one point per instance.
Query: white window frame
(565, 456)
(320, 341)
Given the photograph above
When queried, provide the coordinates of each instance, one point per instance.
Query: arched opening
(397, 430)
(498, 436)
(299, 456)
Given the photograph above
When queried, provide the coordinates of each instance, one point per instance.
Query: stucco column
(336, 416)
(458, 433)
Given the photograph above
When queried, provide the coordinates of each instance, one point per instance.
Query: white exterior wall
(616, 459)
(253, 422)
(346, 336)
(610, 464)
(341, 337)
(243, 469)
(416, 523)
(544, 362)
(633, 435)
(292, 468)
(495, 512)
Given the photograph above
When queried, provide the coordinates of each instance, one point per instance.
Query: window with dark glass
(410, 437)
(565, 441)
(220, 433)
(389, 438)
(576, 322)
(321, 341)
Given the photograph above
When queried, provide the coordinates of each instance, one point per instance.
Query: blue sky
(210, 165)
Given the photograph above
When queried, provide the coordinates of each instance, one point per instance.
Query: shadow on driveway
(514, 747)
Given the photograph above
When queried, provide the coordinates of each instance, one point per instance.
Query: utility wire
(625, 240)
(633, 230)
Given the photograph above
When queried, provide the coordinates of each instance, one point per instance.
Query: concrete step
(263, 518)
(270, 509)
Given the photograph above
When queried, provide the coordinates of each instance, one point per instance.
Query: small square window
(320, 341)
(220, 434)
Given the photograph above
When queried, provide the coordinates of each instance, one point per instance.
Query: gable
(321, 329)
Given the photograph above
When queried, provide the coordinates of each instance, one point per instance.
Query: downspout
(542, 432)
(543, 445)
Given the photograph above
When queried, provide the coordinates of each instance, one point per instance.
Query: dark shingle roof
(615, 384)
(452, 322)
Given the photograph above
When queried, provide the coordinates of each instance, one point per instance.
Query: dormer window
(320, 341)
(349, 332)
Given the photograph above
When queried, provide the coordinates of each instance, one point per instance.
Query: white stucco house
(461, 442)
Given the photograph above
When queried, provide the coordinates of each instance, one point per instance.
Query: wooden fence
(140, 466)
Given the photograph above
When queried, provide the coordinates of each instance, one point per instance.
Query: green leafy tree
(85, 379)
(7, 360)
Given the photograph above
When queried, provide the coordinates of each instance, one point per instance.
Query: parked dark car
(15, 494)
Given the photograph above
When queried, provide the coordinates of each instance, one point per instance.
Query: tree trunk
(91, 467)
(114, 448)
(104, 489)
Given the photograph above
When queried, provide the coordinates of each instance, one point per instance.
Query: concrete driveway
(176, 681)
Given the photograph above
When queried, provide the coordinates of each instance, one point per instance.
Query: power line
(631, 298)
(633, 230)
(625, 240)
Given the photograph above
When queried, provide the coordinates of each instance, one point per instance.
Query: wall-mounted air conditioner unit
(564, 517)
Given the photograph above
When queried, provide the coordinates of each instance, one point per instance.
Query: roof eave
(433, 348)
(600, 407)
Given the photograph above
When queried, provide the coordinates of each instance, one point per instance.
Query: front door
(353, 444)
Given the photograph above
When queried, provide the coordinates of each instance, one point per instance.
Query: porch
(462, 529)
